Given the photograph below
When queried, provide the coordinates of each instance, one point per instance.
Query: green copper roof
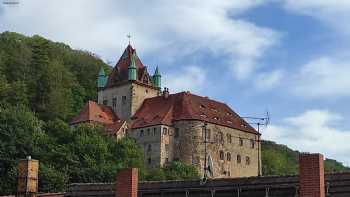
(133, 61)
(157, 73)
(102, 72)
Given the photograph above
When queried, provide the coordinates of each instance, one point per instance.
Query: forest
(43, 84)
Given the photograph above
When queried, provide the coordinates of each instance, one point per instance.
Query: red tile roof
(187, 106)
(114, 127)
(93, 112)
(120, 71)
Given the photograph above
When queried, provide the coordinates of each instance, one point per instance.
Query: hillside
(278, 159)
(42, 85)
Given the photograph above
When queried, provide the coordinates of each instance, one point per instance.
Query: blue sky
(289, 57)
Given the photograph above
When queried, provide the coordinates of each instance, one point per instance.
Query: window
(105, 102)
(221, 137)
(114, 103)
(240, 141)
(149, 161)
(222, 155)
(123, 100)
(228, 156)
(208, 134)
(146, 91)
(252, 143)
(239, 159)
(166, 160)
(247, 160)
(148, 132)
(149, 148)
(167, 148)
(154, 131)
(177, 130)
(229, 138)
(141, 133)
(165, 131)
(228, 173)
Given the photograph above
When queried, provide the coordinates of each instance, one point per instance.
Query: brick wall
(311, 175)
(127, 183)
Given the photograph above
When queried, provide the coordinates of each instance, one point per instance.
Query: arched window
(228, 156)
(222, 155)
(239, 159)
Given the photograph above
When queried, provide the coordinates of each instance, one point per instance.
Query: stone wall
(128, 98)
(122, 96)
(139, 93)
(188, 147)
(149, 139)
(156, 143)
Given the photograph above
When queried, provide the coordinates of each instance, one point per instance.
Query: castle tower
(157, 78)
(128, 84)
(101, 80)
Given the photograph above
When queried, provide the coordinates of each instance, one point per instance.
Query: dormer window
(202, 106)
(203, 116)
(216, 118)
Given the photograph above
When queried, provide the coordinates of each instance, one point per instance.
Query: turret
(101, 80)
(157, 78)
(132, 68)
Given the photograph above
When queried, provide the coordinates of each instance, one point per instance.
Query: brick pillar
(27, 177)
(311, 175)
(127, 183)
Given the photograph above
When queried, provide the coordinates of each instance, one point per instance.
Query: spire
(132, 68)
(102, 79)
(157, 78)
(102, 72)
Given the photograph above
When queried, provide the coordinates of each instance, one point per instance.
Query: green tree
(20, 135)
(174, 171)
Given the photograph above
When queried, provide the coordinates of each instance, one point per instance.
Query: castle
(172, 127)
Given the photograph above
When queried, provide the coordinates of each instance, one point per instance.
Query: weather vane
(129, 36)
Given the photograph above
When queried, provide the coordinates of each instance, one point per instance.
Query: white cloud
(323, 77)
(268, 80)
(171, 29)
(333, 13)
(313, 131)
(190, 78)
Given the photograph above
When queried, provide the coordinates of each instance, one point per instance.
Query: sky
(288, 57)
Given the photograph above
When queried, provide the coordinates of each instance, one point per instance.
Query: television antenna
(259, 121)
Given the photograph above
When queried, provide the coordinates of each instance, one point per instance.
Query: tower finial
(129, 36)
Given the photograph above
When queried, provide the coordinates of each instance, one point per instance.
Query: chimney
(27, 177)
(127, 183)
(311, 175)
(166, 93)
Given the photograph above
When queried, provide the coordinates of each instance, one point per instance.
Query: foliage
(174, 171)
(42, 85)
(280, 160)
(48, 77)
(66, 155)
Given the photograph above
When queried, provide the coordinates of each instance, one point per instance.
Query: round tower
(132, 68)
(157, 78)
